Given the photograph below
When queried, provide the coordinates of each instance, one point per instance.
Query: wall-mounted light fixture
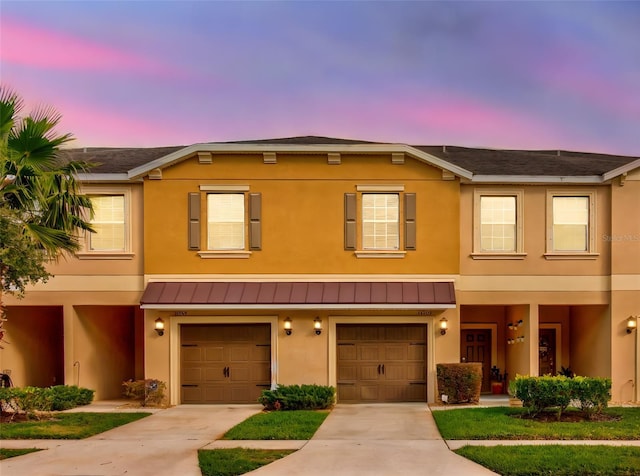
(443, 326)
(287, 326)
(317, 325)
(159, 326)
(632, 324)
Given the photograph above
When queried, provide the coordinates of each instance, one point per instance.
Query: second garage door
(381, 363)
(224, 363)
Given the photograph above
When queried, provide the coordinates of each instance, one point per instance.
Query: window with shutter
(376, 213)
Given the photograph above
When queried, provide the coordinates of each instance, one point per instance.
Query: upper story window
(233, 221)
(380, 221)
(386, 216)
(225, 221)
(498, 224)
(111, 222)
(108, 222)
(571, 229)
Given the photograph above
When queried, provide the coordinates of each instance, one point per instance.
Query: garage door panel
(416, 372)
(214, 374)
(369, 393)
(213, 354)
(214, 393)
(261, 373)
(381, 362)
(368, 372)
(225, 363)
(369, 352)
(191, 354)
(393, 372)
(191, 375)
(416, 351)
(347, 372)
(261, 353)
(347, 352)
(240, 353)
(348, 392)
(395, 352)
(191, 394)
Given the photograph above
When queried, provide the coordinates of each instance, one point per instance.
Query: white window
(225, 221)
(498, 222)
(112, 224)
(380, 221)
(571, 224)
(109, 223)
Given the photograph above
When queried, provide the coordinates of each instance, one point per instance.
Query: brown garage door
(225, 363)
(382, 363)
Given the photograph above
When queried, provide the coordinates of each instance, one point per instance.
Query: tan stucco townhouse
(348, 263)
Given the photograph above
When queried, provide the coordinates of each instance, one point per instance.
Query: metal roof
(299, 295)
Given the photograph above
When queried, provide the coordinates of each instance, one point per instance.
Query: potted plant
(497, 381)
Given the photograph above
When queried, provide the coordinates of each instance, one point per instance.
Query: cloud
(42, 48)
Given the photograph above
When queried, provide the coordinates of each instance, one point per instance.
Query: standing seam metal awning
(298, 295)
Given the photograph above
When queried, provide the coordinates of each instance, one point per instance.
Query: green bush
(544, 393)
(592, 394)
(461, 383)
(66, 397)
(26, 400)
(147, 392)
(298, 397)
(30, 400)
(540, 393)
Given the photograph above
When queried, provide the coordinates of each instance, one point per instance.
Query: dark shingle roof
(478, 161)
(527, 162)
(111, 160)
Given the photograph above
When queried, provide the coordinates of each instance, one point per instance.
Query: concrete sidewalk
(165, 443)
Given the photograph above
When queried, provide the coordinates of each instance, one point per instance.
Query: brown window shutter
(255, 221)
(349, 221)
(194, 221)
(409, 221)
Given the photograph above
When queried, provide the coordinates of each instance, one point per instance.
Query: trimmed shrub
(30, 400)
(592, 394)
(540, 393)
(26, 400)
(147, 392)
(460, 383)
(66, 397)
(544, 393)
(298, 397)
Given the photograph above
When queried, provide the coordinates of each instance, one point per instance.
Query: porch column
(71, 365)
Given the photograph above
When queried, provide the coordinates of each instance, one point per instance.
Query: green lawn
(67, 426)
(557, 460)
(9, 453)
(503, 423)
(235, 461)
(284, 425)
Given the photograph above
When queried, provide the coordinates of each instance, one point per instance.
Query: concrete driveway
(165, 443)
(380, 439)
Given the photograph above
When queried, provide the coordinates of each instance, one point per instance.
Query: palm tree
(41, 209)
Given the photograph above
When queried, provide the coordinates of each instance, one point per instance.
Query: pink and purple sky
(528, 75)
